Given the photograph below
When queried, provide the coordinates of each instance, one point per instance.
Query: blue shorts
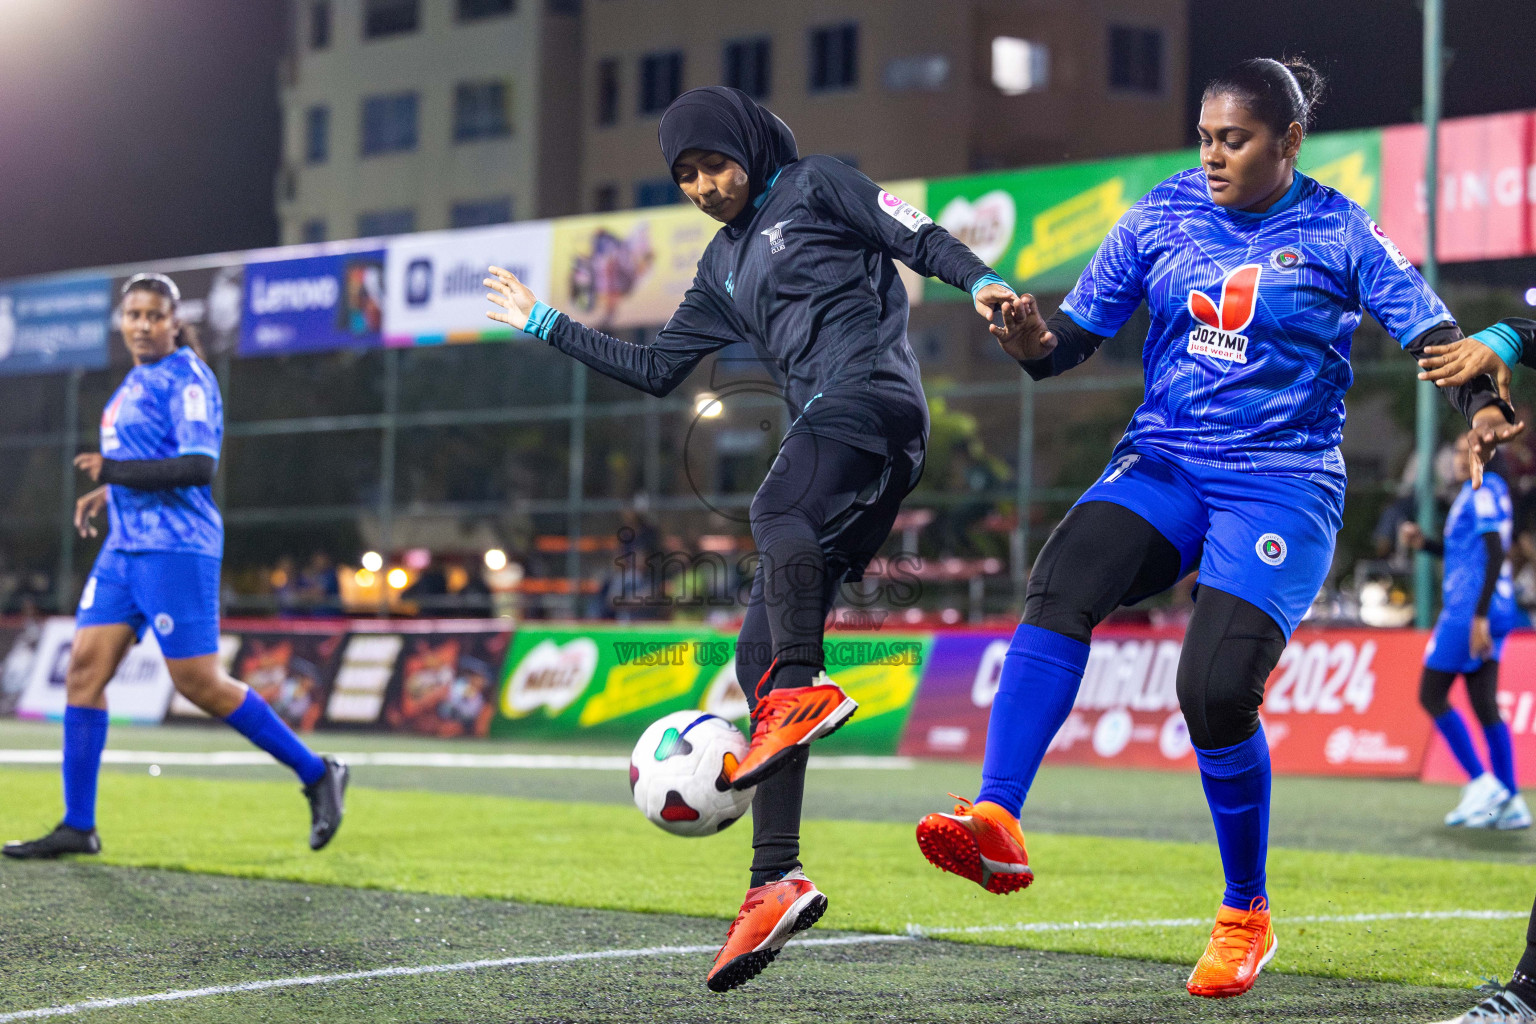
(1264, 537)
(1449, 648)
(175, 594)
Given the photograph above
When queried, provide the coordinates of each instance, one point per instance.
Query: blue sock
(1460, 741)
(1041, 673)
(258, 723)
(85, 734)
(1501, 755)
(1236, 781)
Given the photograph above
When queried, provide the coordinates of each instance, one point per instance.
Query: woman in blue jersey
(159, 569)
(1478, 610)
(1256, 277)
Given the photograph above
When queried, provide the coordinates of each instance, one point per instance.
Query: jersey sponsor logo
(1219, 335)
(903, 212)
(1270, 548)
(1285, 259)
(194, 404)
(109, 440)
(1393, 251)
(1122, 466)
(164, 624)
(775, 236)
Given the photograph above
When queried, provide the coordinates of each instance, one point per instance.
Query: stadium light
(1530, 296)
(707, 406)
(495, 559)
(397, 578)
(364, 578)
(373, 561)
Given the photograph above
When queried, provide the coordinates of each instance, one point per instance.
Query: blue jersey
(161, 410)
(1474, 513)
(1247, 359)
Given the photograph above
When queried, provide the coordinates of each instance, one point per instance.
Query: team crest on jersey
(1220, 334)
(1270, 548)
(164, 624)
(775, 236)
(1285, 259)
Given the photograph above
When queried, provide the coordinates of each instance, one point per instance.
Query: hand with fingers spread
(87, 508)
(1022, 332)
(1462, 362)
(514, 299)
(1489, 430)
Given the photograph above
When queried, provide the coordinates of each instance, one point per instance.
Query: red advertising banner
(1487, 187)
(1340, 702)
(1517, 706)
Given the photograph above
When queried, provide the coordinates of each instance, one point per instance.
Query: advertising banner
(445, 684)
(616, 270)
(1487, 187)
(54, 324)
(1517, 706)
(1340, 702)
(432, 289)
(292, 671)
(561, 682)
(211, 299)
(313, 304)
(18, 650)
(367, 664)
(139, 692)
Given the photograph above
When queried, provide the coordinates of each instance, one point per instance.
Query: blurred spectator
(319, 590)
(285, 587)
(970, 475)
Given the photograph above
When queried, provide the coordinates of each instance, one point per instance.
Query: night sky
(143, 129)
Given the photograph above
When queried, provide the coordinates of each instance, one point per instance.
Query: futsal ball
(677, 773)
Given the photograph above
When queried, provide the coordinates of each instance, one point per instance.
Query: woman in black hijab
(802, 271)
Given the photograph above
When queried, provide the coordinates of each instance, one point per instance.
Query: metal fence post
(64, 582)
(1024, 488)
(387, 467)
(576, 461)
(1426, 422)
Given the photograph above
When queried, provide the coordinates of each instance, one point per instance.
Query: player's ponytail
(186, 337)
(1279, 93)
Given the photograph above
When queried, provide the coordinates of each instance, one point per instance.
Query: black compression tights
(1103, 555)
(1482, 691)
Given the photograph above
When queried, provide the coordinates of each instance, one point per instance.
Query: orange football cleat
(1242, 942)
(785, 719)
(981, 842)
(769, 917)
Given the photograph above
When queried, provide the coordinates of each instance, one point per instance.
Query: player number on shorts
(1323, 678)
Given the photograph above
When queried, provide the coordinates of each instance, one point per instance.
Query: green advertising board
(610, 682)
(1039, 227)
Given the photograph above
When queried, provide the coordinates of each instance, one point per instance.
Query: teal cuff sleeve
(986, 280)
(1504, 340)
(541, 321)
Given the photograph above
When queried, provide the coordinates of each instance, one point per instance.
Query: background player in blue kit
(1256, 277)
(159, 569)
(1478, 610)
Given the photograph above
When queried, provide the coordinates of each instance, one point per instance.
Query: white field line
(178, 995)
(914, 933)
(563, 762)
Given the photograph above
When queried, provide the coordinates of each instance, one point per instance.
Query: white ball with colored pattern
(677, 773)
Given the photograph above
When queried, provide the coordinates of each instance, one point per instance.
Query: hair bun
(1310, 81)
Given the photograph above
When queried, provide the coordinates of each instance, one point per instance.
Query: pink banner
(1487, 187)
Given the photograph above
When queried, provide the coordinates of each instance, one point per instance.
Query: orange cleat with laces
(787, 718)
(981, 842)
(1242, 942)
(769, 917)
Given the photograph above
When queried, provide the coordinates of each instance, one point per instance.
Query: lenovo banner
(313, 304)
(1340, 702)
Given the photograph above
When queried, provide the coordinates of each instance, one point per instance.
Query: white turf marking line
(919, 931)
(179, 995)
(243, 758)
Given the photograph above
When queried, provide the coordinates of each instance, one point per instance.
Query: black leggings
(813, 481)
(1482, 690)
(1103, 555)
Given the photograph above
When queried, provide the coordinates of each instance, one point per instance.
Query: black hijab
(728, 121)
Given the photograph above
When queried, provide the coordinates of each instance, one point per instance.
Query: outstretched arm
(694, 331)
(1480, 397)
(191, 470)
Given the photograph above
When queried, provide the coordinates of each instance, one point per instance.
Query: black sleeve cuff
(1469, 398)
(1074, 343)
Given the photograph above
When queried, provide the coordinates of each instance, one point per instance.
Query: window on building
(389, 123)
(1135, 59)
(320, 24)
(480, 111)
(834, 57)
(927, 72)
(312, 231)
(605, 198)
(1019, 65)
(479, 212)
(607, 91)
(661, 80)
(563, 6)
(657, 192)
(317, 135)
(389, 17)
(747, 66)
(386, 222)
(474, 10)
